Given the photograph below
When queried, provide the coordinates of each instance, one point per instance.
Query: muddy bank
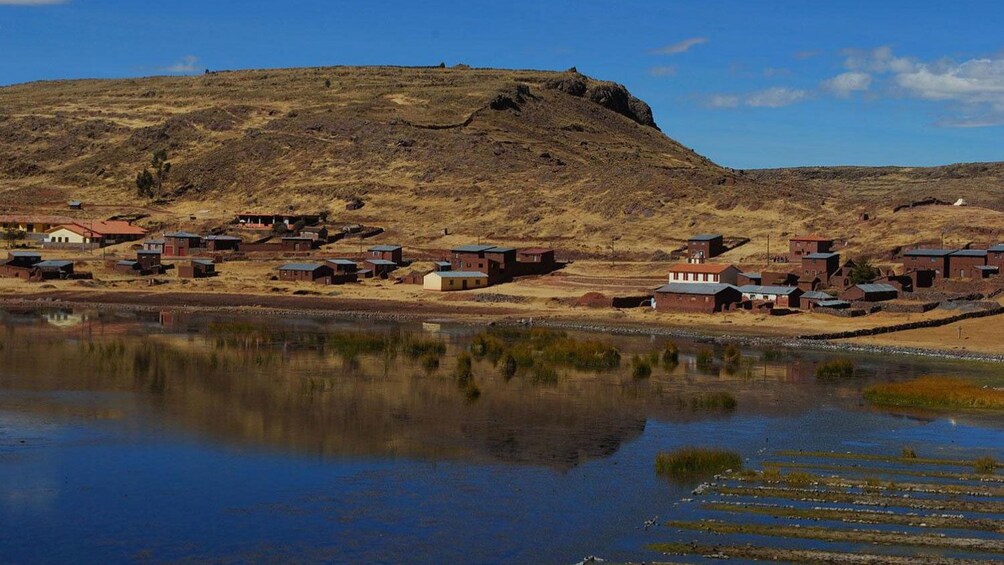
(472, 314)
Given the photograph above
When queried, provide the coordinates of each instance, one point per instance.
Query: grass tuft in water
(835, 369)
(936, 392)
(640, 368)
(690, 464)
(718, 400)
(985, 465)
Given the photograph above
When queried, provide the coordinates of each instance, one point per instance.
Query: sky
(749, 84)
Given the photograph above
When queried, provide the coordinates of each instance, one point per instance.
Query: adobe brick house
(181, 244)
(53, 269)
(148, 260)
(393, 253)
(995, 256)
(309, 272)
(704, 298)
(875, 292)
(128, 266)
(780, 296)
(928, 260)
(987, 271)
(821, 265)
(536, 260)
(800, 246)
(778, 278)
(964, 263)
(297, 243)
(222, 243)
(343, 271)
(711, 273)
(380, 267)
(705, 246)
(811, 298)
(197, 269)
(808, 283)
(440, 266)
(154, 245)
(19, 264)
(506, 259)
(467, 258)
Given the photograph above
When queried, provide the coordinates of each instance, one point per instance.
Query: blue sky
(749, 84)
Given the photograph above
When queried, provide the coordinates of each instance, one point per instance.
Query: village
(307, 252)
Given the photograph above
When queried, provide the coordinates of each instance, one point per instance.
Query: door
(464, 284)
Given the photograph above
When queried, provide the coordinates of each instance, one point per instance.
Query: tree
(279, 228)
(863, 272)
(327, 83)
(11, 235)
(144, 184)
(161, 167)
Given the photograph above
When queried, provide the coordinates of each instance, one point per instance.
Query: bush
(985, 465)
(464, 371)
(509, 367)
(545, 375)
(670, 355)
(719, 400)
(640, 368)
(422, 347)
(692, 464)
(705, 359)
(732, 355)
(835, 369)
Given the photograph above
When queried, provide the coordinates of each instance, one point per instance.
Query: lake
(195, 437)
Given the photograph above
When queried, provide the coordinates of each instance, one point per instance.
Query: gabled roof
(300, 267)
(342, 262)
(928, 252)
(970, 253)
(54, 264)
(24, 254)
(812, 237)
(206, 262)
(710, 268)
(472, 248)
(816, 295)
(458, 274)
(876, 287)
(999, 248)
(183, 235)
(695, 288)
(384, 248)
(501, 250)
(820, 255)
(704, 237)
(380, 262)
(758, 289)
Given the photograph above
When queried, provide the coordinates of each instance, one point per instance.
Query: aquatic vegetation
(670, 355)
(640, 368)
(705, 359)
(986, 465)
(835, 369)
(544, 375)
(773, 355)
(429, 361)
(717, 400)
(509, 367)
(424, 347)
(538, 347)
(909, 453)
(936, 392)
(732, 354)
(464, 371)
(799, 479)
(689, 464)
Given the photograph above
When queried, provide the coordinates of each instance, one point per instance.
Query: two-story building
(713, 273)
(705, 246)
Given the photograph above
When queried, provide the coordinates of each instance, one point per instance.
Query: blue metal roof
(300, 267)
(999, 248)
(54, 264)
(704, 237)
(385, 248)
(970, 253)
(206, 262)
(342, 262)
(695, 288)
(833, 303)
(223, 238)
(928, 252)
(459, 274)
(25, 254)
(443, 263)
(820, 255)
(877, 287)
(128, 262)
(380, 262)
(501, 250)
(758, 289)
(183, 234)
(816, 295)
(988, 267)
(472, 248)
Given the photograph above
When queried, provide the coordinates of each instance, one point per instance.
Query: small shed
(381, 267)
(454, 280)
(223, 243)
(443, 266)
(705, 246)
(313, 272)
(875, 292)
(197, 269)
(54, 269)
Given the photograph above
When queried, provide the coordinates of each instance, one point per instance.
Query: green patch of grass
(692, 464)
(705, 359)
(936, 392)
(985, 465)
(835, 369)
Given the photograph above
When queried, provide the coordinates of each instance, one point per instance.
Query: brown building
(820, 265)
(317, 233)
(935, 260)
(705, 246)
(380, 267)
(870, 293)
(536, 260)
(965, 263)
(148, 260)
(53, 269)
(258, 220)
(19, 264)
(807, 245)
(995, 256)
(197, 269)
(393, 253)
(473, 258)
(310, 272)
(343, 271)
(705, 298)
(182, 244)
(505, 257)
(778, 278)
(779, 296)
(222, 243)
(745, 279)
(297, 243)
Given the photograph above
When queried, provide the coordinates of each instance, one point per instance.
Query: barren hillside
(506, 155)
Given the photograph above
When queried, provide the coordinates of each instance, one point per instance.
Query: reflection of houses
(706, 298)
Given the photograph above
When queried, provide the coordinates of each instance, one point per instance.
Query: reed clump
(936, 392)
(835, 369)
(689, 464)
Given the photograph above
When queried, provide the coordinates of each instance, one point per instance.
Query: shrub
(641, 369)
(798, 479)
(464, 371)
(545, 375)
(719, 400)
(732, 355)
(691, 464)
(670, 355)
(509, 367)
(835, 369)
(986, 465)
(909, 453)
(705, 359)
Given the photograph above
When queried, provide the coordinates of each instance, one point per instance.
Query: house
(317, 233)
(780, 296)
(181, 244)
(31, 224)
(808, 282)
(995, 255)
(712, 273)
(128, 266)
(536, 260)
(743, 279)
(312, 272)
(297, 243)
(454, 280)
(393, 253)
(380, 267)
(99, 233)
(806, 245)
(706, 298)
(154, 245)
(256, 220)
(197, 269)
(222, 243)
(813, 297)
(964, 263)
(19, 264)
(778, 278)
(343, 271)
(505, 257)
(705, 246)
(473, 258)
(870, 293)
(821, 265)
(442, 266)
(54, 269)
(149, 260)
(928, 260)
(987, 271)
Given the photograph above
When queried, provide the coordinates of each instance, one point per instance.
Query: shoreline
(478, 316)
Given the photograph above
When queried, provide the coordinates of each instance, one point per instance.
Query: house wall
(436, 282)
(798, 248)
(395, 256)
(821, 268)
(710, 248)
(704, 304)
(297, 276)
(728, 276)
(963, 267)
(937, 264)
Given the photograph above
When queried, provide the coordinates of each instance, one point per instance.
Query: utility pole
(768, 250)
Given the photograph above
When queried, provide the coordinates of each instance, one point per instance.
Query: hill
(507, 155)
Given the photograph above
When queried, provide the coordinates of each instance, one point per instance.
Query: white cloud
(187, 64)
(878, 60)
(807, 54)
(679, 47)
(844, 84)
(664, 71)
(31, 2)
(775, 97)
(973, 89)
(723, 101)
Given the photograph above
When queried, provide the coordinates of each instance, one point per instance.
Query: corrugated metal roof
(54, 264)
(988, 267)
(380, 262)
(820, 255)
(24, 254)
(300, 267)
(704, 237)
(443, 263)
(183, 235)
(472, 248)
(701, 268)
(816, 295)
(128, 262)
(695, 288)
(999, 248)
(206, 262)
(833, 303)
(223, 238)
(385, 248)
(341, 262)
(459, 274)
(759, 289)
(148, 252)
(928, 252)
(501, 250)
(970, 253)
(877, 287)
(751, 275)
